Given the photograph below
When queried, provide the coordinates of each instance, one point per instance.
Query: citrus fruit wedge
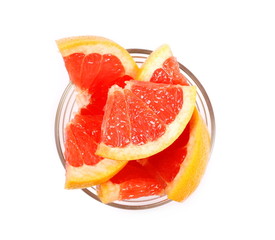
(176, 171)
(144, 118)
(161, 67)
(133, 181)
(183, 164)
(94, 64)
(83, 167)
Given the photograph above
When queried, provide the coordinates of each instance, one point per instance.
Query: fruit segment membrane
(136, 181)
(166, 102)
(116, 121)
(87, 71)
(169, 73)
(141, 113)
(81, 139)
(175, 153)
(95, 74)
(150, 176)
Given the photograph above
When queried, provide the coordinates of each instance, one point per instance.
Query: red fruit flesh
(169, 73)
(167, 102)
(135, 181)
(116, 123)
(95, 73)
(147, 120)
(81, 139)
(166, 164)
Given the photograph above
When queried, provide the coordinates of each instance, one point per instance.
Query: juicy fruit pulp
(169, 73)
(87, 71)
(179, 168)
(135, 181)
(162, 67)
(147, 177)
(94, 64)
(144, 118)
(83, 167)
(95, 74)
(81, 139)
(167, 163)
(153, 104)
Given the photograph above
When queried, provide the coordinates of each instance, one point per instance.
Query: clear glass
(67, 106)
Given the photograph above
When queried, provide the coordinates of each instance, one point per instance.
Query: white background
(228, 45)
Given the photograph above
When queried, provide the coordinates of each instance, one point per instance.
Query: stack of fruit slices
(137, 132)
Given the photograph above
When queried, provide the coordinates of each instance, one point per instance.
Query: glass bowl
(67, 106)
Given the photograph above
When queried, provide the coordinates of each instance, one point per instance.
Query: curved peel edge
(195, 162)
(87, 176)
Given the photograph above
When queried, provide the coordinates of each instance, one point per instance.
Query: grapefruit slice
(144, 118)
(161, 67)
(133, 181)
(83, 167)
(94, 64)
(188, 158)
(176, 171)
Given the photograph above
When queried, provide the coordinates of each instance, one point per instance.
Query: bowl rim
(57, 133)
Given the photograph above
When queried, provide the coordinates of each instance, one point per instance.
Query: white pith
(88, 175)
